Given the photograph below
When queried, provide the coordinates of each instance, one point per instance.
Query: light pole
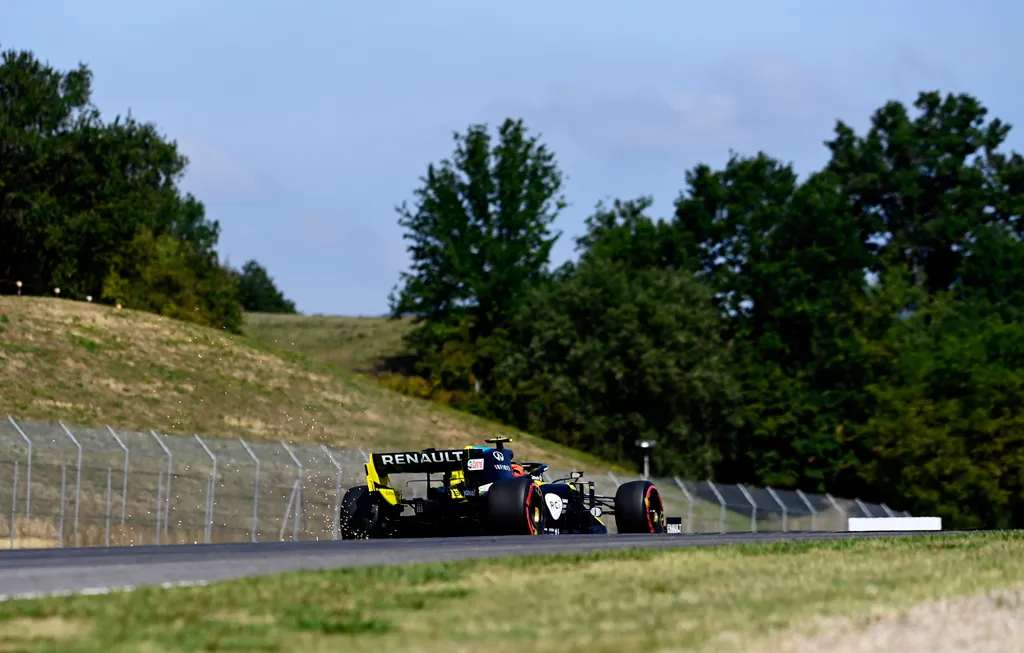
(645, 447)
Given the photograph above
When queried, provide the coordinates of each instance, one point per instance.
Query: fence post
(107, 535)
(63, 500)
(288, 511)
(753, 506)
(337, 494)
(159, 502)
(863, 508)
(28, 481)
(839, 509)
(298, 490)
(255, 490)
(721, 504)
(689, 500)
(124, 488)
(810, 508)
(78, 476)
(14, 502)
(785, 511)
(170, 473)
(208, 529)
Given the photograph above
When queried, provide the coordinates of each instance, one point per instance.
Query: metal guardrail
(73, 486)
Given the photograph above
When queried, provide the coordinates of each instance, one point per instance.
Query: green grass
(92, 365)
(677, 600)
(357, 344)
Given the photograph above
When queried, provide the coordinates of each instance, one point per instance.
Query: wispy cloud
(743, 104)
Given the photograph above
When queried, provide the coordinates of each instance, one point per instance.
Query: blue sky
(307, 122)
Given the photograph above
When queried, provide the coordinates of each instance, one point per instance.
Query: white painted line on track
(96, 591)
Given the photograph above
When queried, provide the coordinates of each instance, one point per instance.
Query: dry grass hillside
(92, 365)
(358, 344)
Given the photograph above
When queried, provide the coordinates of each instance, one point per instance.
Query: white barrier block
(863, 524)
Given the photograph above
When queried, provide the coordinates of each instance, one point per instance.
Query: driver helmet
(518, 470)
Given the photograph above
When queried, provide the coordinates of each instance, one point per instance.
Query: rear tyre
(515, 507)
(638, 508)
(363, 515)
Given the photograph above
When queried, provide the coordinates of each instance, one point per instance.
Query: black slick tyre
(515, 507)
(362, 515)
(638, 508)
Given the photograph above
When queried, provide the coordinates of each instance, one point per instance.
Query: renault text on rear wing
(419, 462)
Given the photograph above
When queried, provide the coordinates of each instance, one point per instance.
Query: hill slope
(357, 344)
(93, 365)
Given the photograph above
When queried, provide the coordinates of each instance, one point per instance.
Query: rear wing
(430, 461)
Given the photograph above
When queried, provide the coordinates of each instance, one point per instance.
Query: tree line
(95, 208)
(854, 332)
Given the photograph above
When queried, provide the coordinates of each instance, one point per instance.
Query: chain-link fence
(65, 485)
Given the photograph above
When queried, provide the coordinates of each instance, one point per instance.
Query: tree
(942, 205)
(163, 275)
(626, 235)
(947, 433)
(77, 194)
(932, 186)
(992, 272)
(480, 236)
(258, 293)
(607, 353)
(786, 263)
(855, 332)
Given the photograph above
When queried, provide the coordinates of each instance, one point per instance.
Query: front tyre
(363, 515)
(638, 508)
(515, 507)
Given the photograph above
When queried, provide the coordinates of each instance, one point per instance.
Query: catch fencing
(67, 486)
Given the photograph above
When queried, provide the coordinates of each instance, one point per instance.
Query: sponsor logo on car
(476, 465)
(412, 457)
(555, 505)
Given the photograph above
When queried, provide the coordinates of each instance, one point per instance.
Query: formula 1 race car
(483, 492)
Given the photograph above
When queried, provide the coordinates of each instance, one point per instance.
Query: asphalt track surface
(30, 573)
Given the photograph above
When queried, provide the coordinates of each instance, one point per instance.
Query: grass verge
(717, 599)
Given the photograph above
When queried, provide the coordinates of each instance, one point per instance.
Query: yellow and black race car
(482, 491)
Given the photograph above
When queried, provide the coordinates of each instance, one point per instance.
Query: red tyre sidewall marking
(647, 504)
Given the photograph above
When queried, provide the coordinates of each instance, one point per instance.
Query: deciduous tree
(258, 292)
(480, 234)
(619, 347)
(78, 195)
